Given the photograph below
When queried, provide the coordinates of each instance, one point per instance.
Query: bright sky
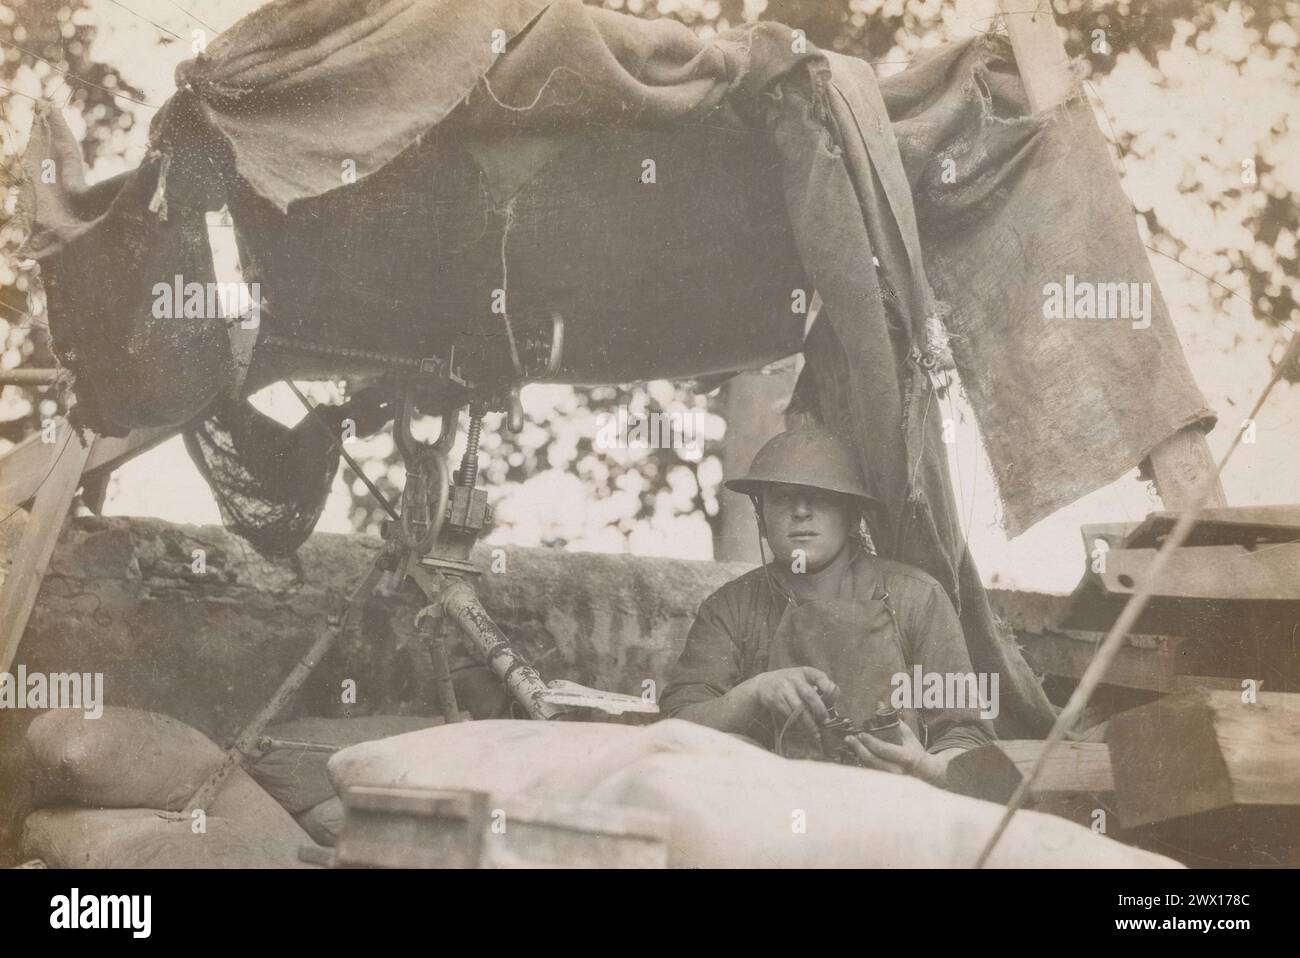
(1213, 106)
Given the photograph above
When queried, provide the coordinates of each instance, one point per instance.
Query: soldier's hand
(803, 689)
(909, 758)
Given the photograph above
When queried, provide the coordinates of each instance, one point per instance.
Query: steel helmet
(807, 456)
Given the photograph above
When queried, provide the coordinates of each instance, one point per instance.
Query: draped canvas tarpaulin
(933, 182)
(1009, 205)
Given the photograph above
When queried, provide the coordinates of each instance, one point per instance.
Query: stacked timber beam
(1205, 764)
(1212, 777)
(1224, 613)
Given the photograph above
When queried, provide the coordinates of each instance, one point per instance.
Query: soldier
(826, 622)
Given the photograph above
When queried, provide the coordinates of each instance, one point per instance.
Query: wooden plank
(1240, 525)
(412, 828)
(1154, 669)
(24, 466)
(1182, 461)
(1177, 645)
(36, 545)
(1114, 534)
(1040, 54)
(1203, 751)
(1075, 783)
(1210, 573)
(549, 834)
(1072, 767)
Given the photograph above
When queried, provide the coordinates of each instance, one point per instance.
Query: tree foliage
(45, 58)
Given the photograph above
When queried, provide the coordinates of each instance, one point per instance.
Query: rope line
(156, 26)
(193, 17)
(72, 76)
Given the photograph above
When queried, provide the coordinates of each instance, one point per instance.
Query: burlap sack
(732, 804)
(140, 763)
(324, 822)
(137, 838)
(124, 759)
(296, 777)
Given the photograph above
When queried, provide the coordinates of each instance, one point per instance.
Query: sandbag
(125, 759)
(560, 761)
(324, 822)
(261, 818)
(732, 804)
(760, 811)
(15, 782)
(137, 838)
(296, 777)
(137, 761)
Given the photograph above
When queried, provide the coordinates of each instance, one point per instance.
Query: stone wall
(209, 649)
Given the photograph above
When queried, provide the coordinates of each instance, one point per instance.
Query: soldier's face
(806, 527)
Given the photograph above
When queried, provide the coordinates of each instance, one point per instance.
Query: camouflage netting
(270, 480)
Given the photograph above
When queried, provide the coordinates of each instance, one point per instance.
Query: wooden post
(755, 403)
(29, 377)
(52, 474)
(1040, 54)
(1181, 462)
(36, 545)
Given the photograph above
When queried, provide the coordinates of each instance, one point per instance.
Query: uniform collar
(858, 582)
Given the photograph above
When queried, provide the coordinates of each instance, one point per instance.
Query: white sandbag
(124, 759)
(760, 811)
(296, 777)
(518, 757)
(324, 822)
(732, 804)
(136, 838)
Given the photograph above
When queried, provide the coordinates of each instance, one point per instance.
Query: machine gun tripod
(441, 518)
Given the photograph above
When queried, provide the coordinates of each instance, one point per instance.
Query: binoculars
(885, 724)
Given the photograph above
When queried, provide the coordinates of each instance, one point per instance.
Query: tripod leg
(246, 743)
(433, 630)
